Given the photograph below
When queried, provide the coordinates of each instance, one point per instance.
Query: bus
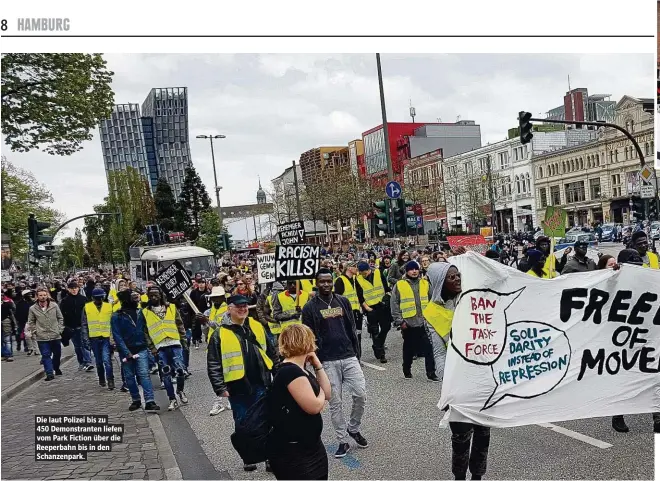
(147, 261)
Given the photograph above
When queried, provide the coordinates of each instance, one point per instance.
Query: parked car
(608, 232)
(655, 231)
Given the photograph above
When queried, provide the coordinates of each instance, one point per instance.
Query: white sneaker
(218, 407)
(196, 346)
(174, 404)
(182, 397)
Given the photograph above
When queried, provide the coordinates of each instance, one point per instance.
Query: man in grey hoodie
(410, 295)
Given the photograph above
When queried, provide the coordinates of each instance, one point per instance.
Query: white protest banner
(291, 233)
(525, 350)
(265, 268)
(591, 254)
(298, 262)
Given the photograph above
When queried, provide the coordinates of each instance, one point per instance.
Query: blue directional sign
(393, 189)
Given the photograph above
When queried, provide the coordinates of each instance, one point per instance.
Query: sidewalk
(144, 454)
(25, 370)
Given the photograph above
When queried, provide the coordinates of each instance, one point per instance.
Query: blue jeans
(51, 355)
(170, 359)
(101, 350)
(83, 355)
(241, 403)
(138, 368)
(7, 350)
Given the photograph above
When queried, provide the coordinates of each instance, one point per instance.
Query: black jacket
(72, 308)
(311, 317)
(249, 349)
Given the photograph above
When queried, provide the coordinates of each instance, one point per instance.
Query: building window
(542, 195)
(594, 188)
(541, 172)
(528, 182)
(503, 158)
(555, 195)
(574, 192)
(517, 184)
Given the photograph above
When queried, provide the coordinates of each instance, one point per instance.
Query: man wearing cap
(371, 289)
(97, 331)
(287, 307)
(130, 333)
(640, 242)
(345, 286)
(167, 340)
(73, 307)
(241, 359)
(579, 262)
(410, 296)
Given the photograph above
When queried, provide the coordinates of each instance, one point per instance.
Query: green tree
(23, 195)
(209, 231)
(53, 100)
(193, 201)
(165, 204)
(79, 248)
(66, 257)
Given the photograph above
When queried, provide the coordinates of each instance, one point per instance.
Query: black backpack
(252, 439)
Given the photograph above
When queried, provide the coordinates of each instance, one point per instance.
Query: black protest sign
(174, 280)
(291, 233)
(298, 262)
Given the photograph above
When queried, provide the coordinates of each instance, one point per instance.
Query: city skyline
(275, 107)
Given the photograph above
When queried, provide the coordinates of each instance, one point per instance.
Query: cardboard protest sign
(525, 350)
(296, 262)
(265, 268)
(475, 243)
(554, 223)
(174, 280)
(291, 233)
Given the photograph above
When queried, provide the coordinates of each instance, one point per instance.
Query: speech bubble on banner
(535, 361)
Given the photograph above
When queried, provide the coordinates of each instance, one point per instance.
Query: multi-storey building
(284, 195)
(315, 162)
(597, 181)
(153, 140)
(356, 157)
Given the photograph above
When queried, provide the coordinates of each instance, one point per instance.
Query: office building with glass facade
(153, 139)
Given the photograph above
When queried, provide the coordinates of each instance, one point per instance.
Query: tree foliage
(53, 100)
(209, 231)
(22, 195)
(193, 200)
(165, 204)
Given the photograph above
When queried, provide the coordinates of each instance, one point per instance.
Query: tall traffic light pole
(215, 175)
(388, 156)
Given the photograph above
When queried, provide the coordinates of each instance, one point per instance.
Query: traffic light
(402, 215)
(383, 213)
(525, 127)
(638, 210)
(35, 230)
(224, 241)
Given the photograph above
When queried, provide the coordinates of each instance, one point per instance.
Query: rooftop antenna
(412, 111)
(458, 117)
(439, 119)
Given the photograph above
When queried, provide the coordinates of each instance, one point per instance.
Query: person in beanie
(536, 261)
(97, 332)
(45, 323)
(410, 296)
(72, 307)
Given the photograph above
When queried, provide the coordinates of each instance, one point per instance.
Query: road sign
(646, 174)
(393, 189)
(647, 191)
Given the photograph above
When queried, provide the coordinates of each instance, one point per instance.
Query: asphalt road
(401, 425)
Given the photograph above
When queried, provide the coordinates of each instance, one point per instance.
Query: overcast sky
(274, 107)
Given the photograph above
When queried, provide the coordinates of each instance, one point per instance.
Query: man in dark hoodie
(130, 334)
(72, 307)
(22, 309)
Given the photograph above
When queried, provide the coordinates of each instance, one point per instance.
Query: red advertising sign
(475, 243)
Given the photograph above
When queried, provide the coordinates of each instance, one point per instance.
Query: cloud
(273, 107)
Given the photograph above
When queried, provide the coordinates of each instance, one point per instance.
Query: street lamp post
(215, 175)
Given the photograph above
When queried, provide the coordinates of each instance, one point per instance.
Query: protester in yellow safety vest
(371, 288)
(120, 286)
(551, 263)
(536, 262)
(345, 286)
(240, 360)
(167, 340)
(287, 307)
(410, 296)
(97, 334)
(213, 316)
(307, 285)
(446, 288)
(266, 309)
(640, 242)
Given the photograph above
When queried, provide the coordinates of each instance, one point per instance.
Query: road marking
(579, 436)
(373, 366)
(350, 461)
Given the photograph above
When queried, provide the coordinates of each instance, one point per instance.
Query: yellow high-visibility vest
(373, 293)
(144, 298)
(350, 293)
(275, 327)
(546, 274)
(233, 366)
(550, 263)
(653, 261)
(213, 316)
(407, 297)
(113, 294)
(288, 307)
(160, 329)
(439, 317)
(98, 322)
(307, 286)
(116, 306)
